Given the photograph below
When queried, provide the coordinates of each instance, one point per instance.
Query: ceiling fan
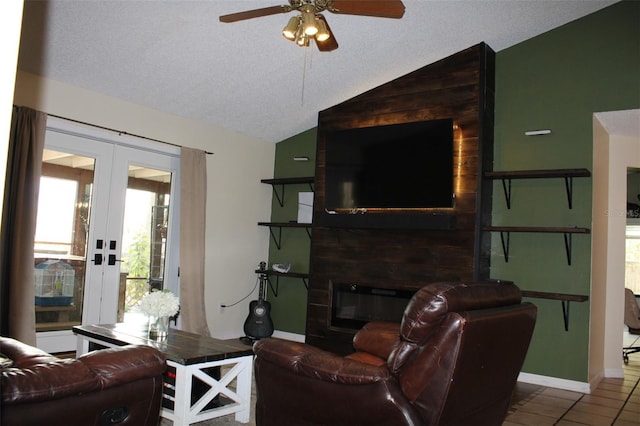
(310, 24)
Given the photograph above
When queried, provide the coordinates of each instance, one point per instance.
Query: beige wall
(236, 200)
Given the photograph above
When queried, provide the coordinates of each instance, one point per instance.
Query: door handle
(97, 259)
(112, 260)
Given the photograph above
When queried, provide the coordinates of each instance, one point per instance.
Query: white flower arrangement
(159, 303)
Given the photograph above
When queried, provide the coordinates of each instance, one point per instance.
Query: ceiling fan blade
(329, 44)
(255, 13)
(376, 8)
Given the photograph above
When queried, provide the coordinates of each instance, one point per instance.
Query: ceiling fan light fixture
(309, 23)
(291, 29)
(323, 33)
(303, 39)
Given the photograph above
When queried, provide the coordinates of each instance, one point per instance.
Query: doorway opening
(632, 246)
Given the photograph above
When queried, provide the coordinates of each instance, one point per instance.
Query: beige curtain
(193, 201)
(24, 167)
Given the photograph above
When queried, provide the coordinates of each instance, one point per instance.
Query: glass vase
(158, 327)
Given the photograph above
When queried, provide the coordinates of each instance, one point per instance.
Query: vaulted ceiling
(175, 55)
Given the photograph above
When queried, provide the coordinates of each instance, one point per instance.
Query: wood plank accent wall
(403, 254)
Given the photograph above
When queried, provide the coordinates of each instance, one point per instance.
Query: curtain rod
(120, 132)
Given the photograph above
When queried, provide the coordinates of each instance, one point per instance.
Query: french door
(106, 231)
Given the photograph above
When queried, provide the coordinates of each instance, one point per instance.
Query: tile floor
(614, 402)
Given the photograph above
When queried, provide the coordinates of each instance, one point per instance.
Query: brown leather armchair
(454, 360)
(106, 387)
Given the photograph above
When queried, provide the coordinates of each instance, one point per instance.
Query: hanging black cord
(250, 293)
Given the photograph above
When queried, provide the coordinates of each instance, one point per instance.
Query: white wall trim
(289, 336)
(554, 382)
(616, 373)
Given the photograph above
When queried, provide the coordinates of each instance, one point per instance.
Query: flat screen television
(398, 166)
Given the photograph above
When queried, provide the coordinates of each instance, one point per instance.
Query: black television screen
(404, 166)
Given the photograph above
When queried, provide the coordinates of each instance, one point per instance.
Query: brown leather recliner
(107, 387)
(454, 360)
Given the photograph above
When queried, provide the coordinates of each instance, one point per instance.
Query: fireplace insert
(354, 305)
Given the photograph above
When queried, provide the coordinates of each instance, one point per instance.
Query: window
(56, 212)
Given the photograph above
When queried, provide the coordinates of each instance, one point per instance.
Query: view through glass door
(104, 234)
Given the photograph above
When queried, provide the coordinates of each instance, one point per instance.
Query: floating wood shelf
(567, 174)
(563, 297)
(281, 182)
(278, 239)
(505, 231)
(541, 229)
(301, 275)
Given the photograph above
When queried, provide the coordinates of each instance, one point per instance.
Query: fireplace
(409, 255)
(354, 305)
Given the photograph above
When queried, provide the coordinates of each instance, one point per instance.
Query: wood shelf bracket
(505, 244)
(505, 236)
(507, 240)
(277, 240)
(565, 299)
(565, 313)
(275, 289)
(567, 249)
(279, 197)
(567, 174)
(281, 183)
(568, 183)
(506, 188)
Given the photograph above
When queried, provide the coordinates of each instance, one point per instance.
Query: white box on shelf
(305, 207)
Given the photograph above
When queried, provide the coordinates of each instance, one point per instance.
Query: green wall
(557, 81)
(554, 81)
(289, 308)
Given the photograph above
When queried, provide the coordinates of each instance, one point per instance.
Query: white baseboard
(555, 382)
(616, 373)
(289, 336)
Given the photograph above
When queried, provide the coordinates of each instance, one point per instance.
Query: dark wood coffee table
(196, 388)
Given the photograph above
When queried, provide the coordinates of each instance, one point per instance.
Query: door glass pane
(144, 239)
(60, 248)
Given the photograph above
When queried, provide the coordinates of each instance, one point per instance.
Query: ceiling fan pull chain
(304, 74)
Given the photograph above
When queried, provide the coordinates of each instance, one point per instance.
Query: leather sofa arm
(309, 361)
(45, 381)
(125, 364)
(22, 355)
(54, 378)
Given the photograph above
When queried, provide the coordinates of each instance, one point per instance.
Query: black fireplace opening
(355, 305)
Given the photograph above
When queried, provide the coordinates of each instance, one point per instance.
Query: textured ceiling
(175, 56)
